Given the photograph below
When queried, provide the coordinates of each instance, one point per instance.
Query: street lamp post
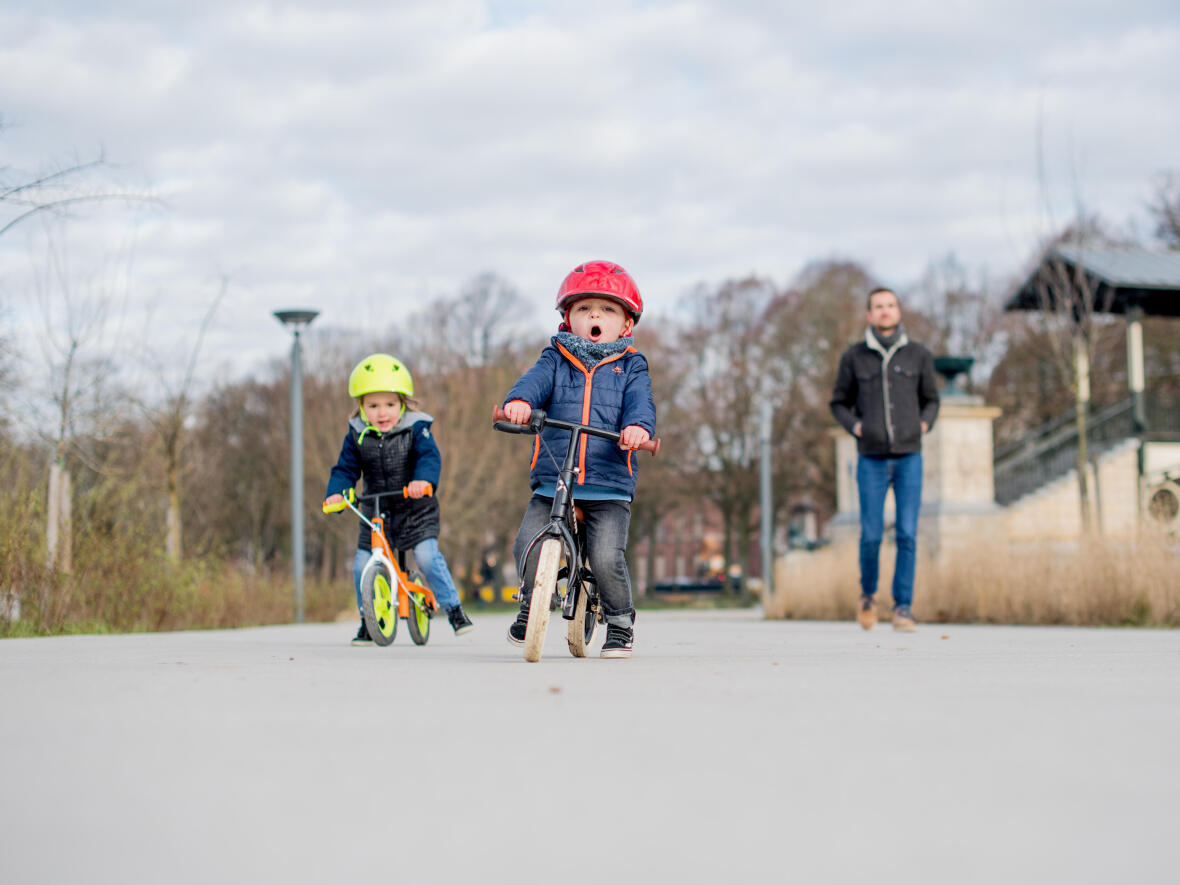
(766, 502)
(297, 321)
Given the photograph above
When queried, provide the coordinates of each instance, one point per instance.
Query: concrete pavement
(729, 749)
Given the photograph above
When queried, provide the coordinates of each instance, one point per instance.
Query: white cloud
(363, 152)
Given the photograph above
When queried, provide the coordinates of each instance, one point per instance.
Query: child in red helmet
(590, 373)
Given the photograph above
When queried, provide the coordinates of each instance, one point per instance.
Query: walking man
(886, 396)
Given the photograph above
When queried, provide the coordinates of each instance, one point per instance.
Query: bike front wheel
(379, 603)
(548, 562)
(582, 629)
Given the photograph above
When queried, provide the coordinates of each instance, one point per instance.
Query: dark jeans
(606, 525)
(873, 478)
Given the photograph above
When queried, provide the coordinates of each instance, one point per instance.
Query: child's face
(382, 410)
(599, 319)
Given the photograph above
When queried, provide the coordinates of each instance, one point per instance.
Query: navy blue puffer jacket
(612, 395)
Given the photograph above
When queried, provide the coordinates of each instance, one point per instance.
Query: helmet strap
(360, 404)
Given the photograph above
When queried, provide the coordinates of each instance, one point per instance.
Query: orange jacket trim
(536, 439)
(586, 403)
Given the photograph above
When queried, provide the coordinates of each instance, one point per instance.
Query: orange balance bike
(388, 590)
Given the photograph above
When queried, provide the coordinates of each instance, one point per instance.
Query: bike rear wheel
(582, 629)
(418, 618)
(548, 562)
(379, 603)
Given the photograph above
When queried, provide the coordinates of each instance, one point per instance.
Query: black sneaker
(460, 623)
(618, 642)
(518, 627)
(362, 636)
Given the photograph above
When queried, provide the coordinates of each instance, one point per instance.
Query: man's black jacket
(890, 392)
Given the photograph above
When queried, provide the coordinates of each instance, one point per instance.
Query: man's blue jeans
(873, 478)
(429, 559)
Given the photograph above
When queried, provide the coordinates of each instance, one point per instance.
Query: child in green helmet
(390, 445)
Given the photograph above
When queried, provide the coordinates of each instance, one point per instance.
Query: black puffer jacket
(388, 462)
(890, 392)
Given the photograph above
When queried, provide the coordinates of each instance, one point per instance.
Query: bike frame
(384, 554)
(562, 521)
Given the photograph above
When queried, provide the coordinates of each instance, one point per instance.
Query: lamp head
(297, 319)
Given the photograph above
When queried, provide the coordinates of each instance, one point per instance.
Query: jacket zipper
(886, 356)
(586, 402)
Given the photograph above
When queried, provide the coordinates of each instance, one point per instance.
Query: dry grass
(158, 595)
(121, 581)
(1103, 584)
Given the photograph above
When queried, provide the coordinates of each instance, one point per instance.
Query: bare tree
(56, 191)
(238, 480)
(725, 382)
(961, 314)
(1070, 299)
(664, 482)
(169, 419)
(469, 358)
(79, 314)
(1165, 207)
(7, 364)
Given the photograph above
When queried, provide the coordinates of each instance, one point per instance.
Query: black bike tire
(584, 627)
(548, 562)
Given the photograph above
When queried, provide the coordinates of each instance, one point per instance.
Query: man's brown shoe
(867, 616)
(903, 620)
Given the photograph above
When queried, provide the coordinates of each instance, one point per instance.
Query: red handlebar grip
(427, 494)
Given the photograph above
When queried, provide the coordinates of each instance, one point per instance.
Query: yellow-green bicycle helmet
(379, 372)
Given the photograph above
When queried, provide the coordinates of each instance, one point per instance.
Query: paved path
(730, 749)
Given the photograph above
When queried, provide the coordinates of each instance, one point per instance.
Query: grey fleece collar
(408, 420)
(591, 353)
(874, 344)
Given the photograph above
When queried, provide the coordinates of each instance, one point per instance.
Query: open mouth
(595, 331)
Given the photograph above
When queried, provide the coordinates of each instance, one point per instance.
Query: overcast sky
(363, 157)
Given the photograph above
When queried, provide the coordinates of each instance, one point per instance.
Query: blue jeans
(429, 559)
(873, 478)
(606, 524)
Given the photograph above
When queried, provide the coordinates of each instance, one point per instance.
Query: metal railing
(1051, 450)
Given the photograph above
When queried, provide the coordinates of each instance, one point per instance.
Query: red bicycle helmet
(604, 279)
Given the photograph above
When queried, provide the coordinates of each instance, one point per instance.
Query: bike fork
(584, 584)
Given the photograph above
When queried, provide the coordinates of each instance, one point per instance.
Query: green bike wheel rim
(384, 606)
(418, 612)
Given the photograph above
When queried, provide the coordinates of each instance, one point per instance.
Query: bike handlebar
(539, 419)
(351, 497)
